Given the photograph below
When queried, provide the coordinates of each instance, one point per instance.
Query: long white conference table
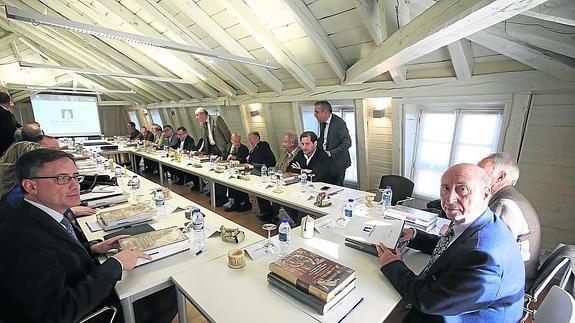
(154, 276)
(226, 295)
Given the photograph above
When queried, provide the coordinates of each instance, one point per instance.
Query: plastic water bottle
(118, 174)
(160, 203)
(348, 211)
(284, 237)
(199, 235)
(386, 198)
(166, 153)
(264, 172)
(135, 187)
(304, 182)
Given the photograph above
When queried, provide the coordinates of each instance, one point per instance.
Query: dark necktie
(441, 246)
(206, 138)
(322, 126)
(67, 224)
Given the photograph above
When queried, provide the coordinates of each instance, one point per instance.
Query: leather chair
(402, 187)
(557, 307)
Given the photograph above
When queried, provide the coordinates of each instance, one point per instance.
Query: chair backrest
(557, 307)
(402, 187)
(99, 315)
(560, 260)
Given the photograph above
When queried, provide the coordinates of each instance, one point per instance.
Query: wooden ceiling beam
(196, 14)
(317, 34)
(134, 24)
(122, 52)
(114, 52)
(7, 39)
(266, 38)
(461, 58)
(558, 11)
(180, 33)
(498, 41)
(440, 25)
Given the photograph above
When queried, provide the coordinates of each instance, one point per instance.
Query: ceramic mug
(236, 258)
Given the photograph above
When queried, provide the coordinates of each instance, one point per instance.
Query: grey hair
(504, 162)
(8, 161)
(292, 137)
(201, 110)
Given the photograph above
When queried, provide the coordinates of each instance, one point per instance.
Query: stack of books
(312, 279)
(157, 244)
(415, 218)
(125, 216)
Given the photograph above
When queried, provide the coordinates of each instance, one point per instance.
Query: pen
(199, 252)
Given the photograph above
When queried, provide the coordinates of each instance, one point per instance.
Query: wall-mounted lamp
(172, 113)
(254, 113)
(379, 113)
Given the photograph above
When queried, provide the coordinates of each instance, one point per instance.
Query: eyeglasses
(62, 179)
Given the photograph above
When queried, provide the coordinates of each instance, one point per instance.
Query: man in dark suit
(475, 273)
(133, 133)
(170, 138)
(8, 124)
(239, 152)
(185, 142)
(334, 139)
(51, 275)
(259, 154)
(311, 159)
(215, 133)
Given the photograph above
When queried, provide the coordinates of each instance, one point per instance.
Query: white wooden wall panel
(547, 165)
(379, 139)
(233, 117)
(282, 121)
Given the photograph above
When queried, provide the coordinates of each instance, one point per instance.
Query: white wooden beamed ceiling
(316, 43)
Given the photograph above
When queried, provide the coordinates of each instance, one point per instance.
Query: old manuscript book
(125, 216)
(313, 273)
(157, 244)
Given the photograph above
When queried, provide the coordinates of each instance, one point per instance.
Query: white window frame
(133, 116)
(486, 104)
(157, 113)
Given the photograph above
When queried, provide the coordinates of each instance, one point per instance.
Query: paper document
(374, 231)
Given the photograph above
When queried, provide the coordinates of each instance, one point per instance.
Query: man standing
(514, 210)
(51, 275)
(269, 211)
(133, 133)
(334, 139)
(475, 273)
(8, 124)
(215, 133)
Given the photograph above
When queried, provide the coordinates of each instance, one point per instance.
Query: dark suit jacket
(320, 164)
(134, 134)
(50, 277)
(149, 136)
(241, 153)
(338, 143)
(188, 143)
(8, 126)
(262, 154)
(479, 278)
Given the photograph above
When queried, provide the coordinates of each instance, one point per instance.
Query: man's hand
(386, 256)
(231, 157)
(128, 258)
(328, 153)
(83, 210)
(296, 165)
(106, 245)
(407, 234)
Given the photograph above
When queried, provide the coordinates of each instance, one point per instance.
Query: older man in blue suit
(475, 273)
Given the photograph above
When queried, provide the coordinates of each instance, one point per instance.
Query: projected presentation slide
(65, 115)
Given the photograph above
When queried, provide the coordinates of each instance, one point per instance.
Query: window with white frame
(438, 136)
(134, 118)
(156, 117)
(346, 111)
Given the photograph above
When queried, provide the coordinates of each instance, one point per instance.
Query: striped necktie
(67, 224)
(441, 246)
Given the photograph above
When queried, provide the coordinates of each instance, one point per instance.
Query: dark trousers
(238, 196)
(338, 179)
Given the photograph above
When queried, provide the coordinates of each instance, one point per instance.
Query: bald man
(475, 273)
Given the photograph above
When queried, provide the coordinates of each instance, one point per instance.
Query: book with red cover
(313, 273)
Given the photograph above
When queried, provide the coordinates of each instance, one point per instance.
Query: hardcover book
(157, 244)
(317, 304)
(125, 216)
(373, 231)
(421, 219)
(313, 273)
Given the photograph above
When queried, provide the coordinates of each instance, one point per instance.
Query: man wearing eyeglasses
(48, 273)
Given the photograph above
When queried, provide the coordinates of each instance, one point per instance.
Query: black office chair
(402, 187)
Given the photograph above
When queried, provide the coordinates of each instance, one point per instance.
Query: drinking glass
(269, 247)
(272, 173)
(310, 179)
(213, 159)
